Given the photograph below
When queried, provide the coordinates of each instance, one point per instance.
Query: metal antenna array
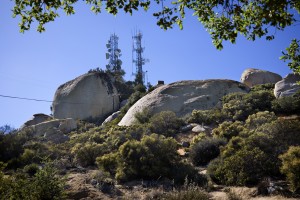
(113, 55)
(137, 57)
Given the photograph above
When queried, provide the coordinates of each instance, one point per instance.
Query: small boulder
(36, 119)
(287, 86)
(55, 129)
(198, 129)
(186, 128)
(252, 77)
(111, 117)
(67, 125)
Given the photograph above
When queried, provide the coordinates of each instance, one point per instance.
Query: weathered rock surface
(198, 129)
(90, 96)
(55, 129)
(111, 117)
(183, 97)
(36, 119)
(287, 86)
(252, 77)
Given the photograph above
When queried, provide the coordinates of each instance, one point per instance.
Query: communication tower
(113, 54)
(137, 57)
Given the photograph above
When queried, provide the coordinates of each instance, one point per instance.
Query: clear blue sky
(33, 65)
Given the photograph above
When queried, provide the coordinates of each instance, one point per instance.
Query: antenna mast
(137, 57)
(114, 54)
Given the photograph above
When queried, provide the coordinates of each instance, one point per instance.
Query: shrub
(48, 186)
(238, 106)
(108, 162)
(165, 123)
(205, 150)
(198, 138)
(140, 91)
(152, 157)
(291, 167)
(244, 167)
(287, 105)
(31, 169)
(268, 87)
(206, 116)
(283, 132)
(143, 117)
(237, 109)
(44, 185)
(228, 129)
(86, 155)
(256, 120)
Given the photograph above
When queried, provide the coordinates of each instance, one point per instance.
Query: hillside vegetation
(251, 140)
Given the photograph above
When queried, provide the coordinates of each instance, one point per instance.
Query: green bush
(86, 154)
(238, 106)
(291, 167)
(47, 185)
(205, 150)
(198, 138)
(256, 120)
(143, 117)
(239, 165)
(140, 91)
(31, 169)
(287, 105)
(206, 116)
(165, 123)
(108, 162)
(44, 185)
(228, 129)
(245, 167)
(268, 87)
(152, 157)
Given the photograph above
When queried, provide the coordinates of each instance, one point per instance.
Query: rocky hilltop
(90, 96)
(183, 97)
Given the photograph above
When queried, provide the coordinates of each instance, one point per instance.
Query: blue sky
(33, 65)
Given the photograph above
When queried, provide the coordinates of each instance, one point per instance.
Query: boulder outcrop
(90, 96)
(252, 77)
(183, 97)
(36, 119)
(54, 130)
(111, 117)
(287, 86)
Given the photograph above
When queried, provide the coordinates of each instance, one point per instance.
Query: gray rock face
(287, 86)
(89, 96)
(252, 77)
(55, 130)
(111, 117)
(198, 129)
(183, 97)
(36, 119)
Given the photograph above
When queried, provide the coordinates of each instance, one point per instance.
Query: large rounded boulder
(183, 97)
(252, 77)
(90, 96)
(287, 86)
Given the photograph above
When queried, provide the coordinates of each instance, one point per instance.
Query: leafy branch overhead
(223, 19)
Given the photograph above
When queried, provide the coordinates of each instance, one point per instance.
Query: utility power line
(40, 100)
(24, 98)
